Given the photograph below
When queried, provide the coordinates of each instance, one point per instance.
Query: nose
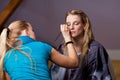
(71, 27)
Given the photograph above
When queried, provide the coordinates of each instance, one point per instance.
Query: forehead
(71, 18)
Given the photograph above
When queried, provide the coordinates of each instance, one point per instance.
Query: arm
(66, 61)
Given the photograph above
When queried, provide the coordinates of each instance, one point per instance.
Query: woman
(24, 58)
(93, 58)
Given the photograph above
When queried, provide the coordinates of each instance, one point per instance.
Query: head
(79, 24)
(20, 28)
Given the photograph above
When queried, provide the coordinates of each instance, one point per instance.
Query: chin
(73, 36)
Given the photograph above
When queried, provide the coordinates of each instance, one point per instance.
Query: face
(75, 25)
(31, 32)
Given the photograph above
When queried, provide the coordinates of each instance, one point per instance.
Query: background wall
(47, 15)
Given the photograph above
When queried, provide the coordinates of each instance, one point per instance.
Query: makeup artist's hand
(65, 32)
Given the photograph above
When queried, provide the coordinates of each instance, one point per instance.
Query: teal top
(30, 62)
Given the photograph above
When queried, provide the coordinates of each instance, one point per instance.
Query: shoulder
(96, 46)
(95, 43)
(38, 46)
(39, 43)
(96, 49)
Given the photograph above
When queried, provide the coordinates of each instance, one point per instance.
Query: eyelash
(77, 23)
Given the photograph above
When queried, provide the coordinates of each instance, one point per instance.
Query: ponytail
(3, 49)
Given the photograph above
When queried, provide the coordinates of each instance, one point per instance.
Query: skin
(30, 32)
(75, 25)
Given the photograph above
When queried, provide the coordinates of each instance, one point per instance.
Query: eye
(76, 23)
(68, 24)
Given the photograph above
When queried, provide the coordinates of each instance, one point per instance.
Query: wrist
(68, 42)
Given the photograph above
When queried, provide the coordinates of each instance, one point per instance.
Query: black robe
(96, 66)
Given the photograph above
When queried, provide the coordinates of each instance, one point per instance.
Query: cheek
(79, 30)
(33, 35)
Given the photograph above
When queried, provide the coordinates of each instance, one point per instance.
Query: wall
(47, 15)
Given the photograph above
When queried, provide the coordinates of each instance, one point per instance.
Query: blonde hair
(88, 34)
(8, 38)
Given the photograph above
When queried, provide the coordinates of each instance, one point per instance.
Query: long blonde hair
(88, 34)
(8, 38)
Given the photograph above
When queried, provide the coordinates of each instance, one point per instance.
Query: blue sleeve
(48, 48)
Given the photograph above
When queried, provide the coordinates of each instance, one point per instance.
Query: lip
(72, 31)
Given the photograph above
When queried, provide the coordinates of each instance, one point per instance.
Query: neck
(78, 43)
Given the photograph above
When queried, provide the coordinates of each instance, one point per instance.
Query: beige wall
(114, 54)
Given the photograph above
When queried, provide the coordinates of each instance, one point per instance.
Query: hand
(65, 32)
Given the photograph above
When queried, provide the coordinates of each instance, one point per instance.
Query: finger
(62, 27)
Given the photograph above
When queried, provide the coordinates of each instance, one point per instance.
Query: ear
(24, 32)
